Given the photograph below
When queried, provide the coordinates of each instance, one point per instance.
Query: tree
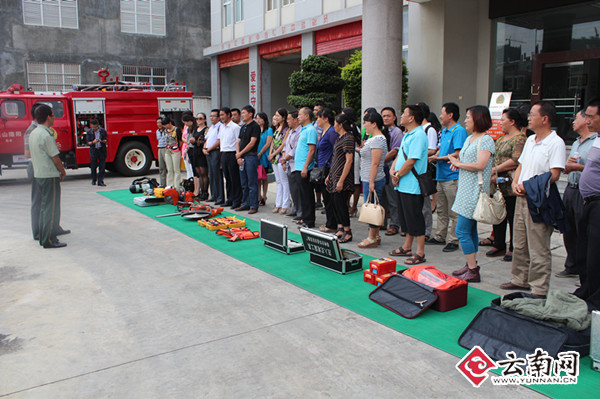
(352, 75)
(318, 82)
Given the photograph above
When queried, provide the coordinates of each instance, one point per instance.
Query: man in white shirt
(213, 157)
(229, 134)
(543, 152)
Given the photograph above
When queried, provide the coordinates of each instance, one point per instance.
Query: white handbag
(372, 212)
(489, 210)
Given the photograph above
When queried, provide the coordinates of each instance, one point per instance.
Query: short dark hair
(370, 110)
(415, 112)
(391, 109)
(226, 110)
(452, 108)
(94, 122)
(326, 113)
(217, 110)
(165, 120)
(307, 111)
(159, 119)
(319, 104)
(42, 113)
(33, 108)
(547, 108)
(424, 109)
(249, 108)
(594, 102)
(187, 117)
(481, 118)
(293, 114)
(236, 110)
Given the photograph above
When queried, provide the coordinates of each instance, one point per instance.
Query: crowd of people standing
(319, 157)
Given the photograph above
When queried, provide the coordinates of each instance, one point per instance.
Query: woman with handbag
(508, 151)
(340, 181)
(264, 165)
(282, 200)
(324, 160)
(372, 157)
(474, 163)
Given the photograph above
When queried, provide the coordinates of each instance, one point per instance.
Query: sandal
(276, 210)
(401, 252)
(368, 243)
(326, 229)
(347, 237)
(283, 211)
(339, 233)
(393, 230)
(415, 260)
(488, 242)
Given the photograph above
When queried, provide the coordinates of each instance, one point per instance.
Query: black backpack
(142, 184)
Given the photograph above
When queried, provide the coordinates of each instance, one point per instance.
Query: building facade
(456, 50)
(49, 45)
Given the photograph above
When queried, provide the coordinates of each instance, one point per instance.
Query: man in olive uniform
(48, 173)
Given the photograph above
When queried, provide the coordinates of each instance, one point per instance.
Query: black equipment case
(498, 330)
(325, 251)
(404, 296)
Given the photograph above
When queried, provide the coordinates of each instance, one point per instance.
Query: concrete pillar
(308, 44)
(265, 86)
(214, 82)
(449, 60)
(382, 54)
(254, 79)
(225, 89)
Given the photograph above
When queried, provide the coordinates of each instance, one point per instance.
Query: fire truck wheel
(133, 159)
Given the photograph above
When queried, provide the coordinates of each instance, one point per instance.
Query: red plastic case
(382, 266)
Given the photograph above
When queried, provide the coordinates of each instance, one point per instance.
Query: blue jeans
(466, 232)
(249, 180)
(378, 189)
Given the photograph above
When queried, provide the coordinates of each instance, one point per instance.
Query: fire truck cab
(128, 113)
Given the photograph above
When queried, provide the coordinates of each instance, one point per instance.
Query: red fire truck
(127, 112)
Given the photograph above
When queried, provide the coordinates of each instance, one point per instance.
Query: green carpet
(440, 330)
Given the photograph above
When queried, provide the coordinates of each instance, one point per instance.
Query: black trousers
(331, 219)
(49, 209)
(410, 207)
(97, 161)
(588, 253)
(574, 206)
(231, 172)
(339, 206)
(307, 198)
(500, 228)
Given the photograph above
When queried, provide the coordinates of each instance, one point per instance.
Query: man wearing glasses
(48, 172)
(588, 250)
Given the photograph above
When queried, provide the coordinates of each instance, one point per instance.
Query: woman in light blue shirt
(475, 156)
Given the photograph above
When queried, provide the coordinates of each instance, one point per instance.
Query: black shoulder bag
(426, 183)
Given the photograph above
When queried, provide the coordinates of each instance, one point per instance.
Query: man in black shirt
(246, 155)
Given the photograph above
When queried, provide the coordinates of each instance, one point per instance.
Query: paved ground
(134, 309)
